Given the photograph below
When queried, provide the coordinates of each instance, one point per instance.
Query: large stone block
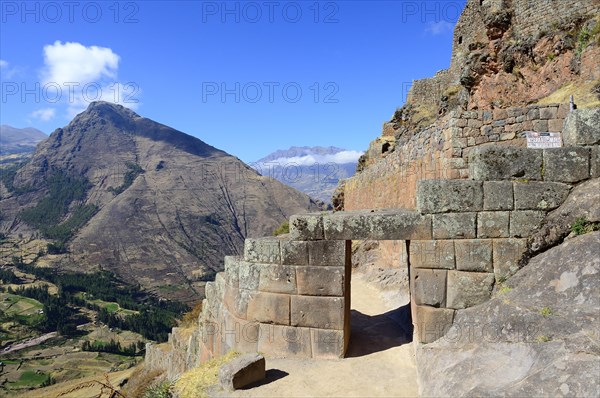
(269, 308)
(327, 343)
(432, 323)
(595, 162)
(249, 275)
(238, 334)
(524, 223)
(432, 254)
(262, 250)
(569, 164)
(242, 371)
(497, 195)
(209, 291)
(278, 341)
(454, 225)
(507, 254)
(294, 252)
(320, 281)
(581, 127)
(537, 195)
(441, 196)
(317, 312)
(232, 270)
(493, 224)
(377, 225)
(474, 255)
(491, 163)
(277, 279)
(306, 226)
(466, 289)
(428, 286)
(236, 301)
(327, 252)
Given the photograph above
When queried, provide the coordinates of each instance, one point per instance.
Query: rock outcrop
(537, 337)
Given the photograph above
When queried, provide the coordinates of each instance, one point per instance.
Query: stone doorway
(380, 316)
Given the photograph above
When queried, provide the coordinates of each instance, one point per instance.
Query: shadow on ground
(272, 375)
(375, 333)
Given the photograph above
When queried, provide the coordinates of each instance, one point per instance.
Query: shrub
(282, 229)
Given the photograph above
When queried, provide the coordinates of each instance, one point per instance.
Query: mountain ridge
(168, 205)
(19, 140)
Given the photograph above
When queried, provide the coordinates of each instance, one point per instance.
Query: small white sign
(543, 140)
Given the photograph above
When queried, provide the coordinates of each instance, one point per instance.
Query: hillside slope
(166, 207)
(14, 140)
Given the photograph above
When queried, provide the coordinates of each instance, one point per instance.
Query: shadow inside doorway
(375, 333)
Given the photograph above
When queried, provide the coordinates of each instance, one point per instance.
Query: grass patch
(546, 311)
(162, 390)
(168, 288)
(193, 383)
(505, 289)
(110, 307)
(583, 92)
(583, 226)
(284, 228)
(543, 339)
(29, 378)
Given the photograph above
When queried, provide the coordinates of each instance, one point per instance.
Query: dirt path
(380, 361)
(29, 343)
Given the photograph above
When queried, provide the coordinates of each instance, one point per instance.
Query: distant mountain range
(15, 141)
(315, 171)
(154, 205)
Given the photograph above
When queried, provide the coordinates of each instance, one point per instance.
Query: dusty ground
(380, 360)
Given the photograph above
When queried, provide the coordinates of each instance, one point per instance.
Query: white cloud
(86, 74)
(309, 160)
(7, 71)
(439, 28)
(76, 63)
(44, 114)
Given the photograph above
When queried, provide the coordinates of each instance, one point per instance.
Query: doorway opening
(380, 315)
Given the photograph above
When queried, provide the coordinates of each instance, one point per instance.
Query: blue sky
(246, 77)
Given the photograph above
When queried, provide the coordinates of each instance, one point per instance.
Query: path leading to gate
(380, 362)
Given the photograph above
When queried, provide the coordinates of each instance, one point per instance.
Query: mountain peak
(116, 114)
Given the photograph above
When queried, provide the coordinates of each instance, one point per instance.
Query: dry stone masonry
(289, 296)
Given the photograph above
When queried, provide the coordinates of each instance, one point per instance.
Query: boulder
(581, 128)
(582, 203)
(537, 337)
(242, 371)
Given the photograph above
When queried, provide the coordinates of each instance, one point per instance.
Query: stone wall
(289, 296)
(534, 16)
(428, 91)
(441, 151)
(282, 298)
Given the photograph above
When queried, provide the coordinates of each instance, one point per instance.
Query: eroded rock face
(581, 203)
(536, 337)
